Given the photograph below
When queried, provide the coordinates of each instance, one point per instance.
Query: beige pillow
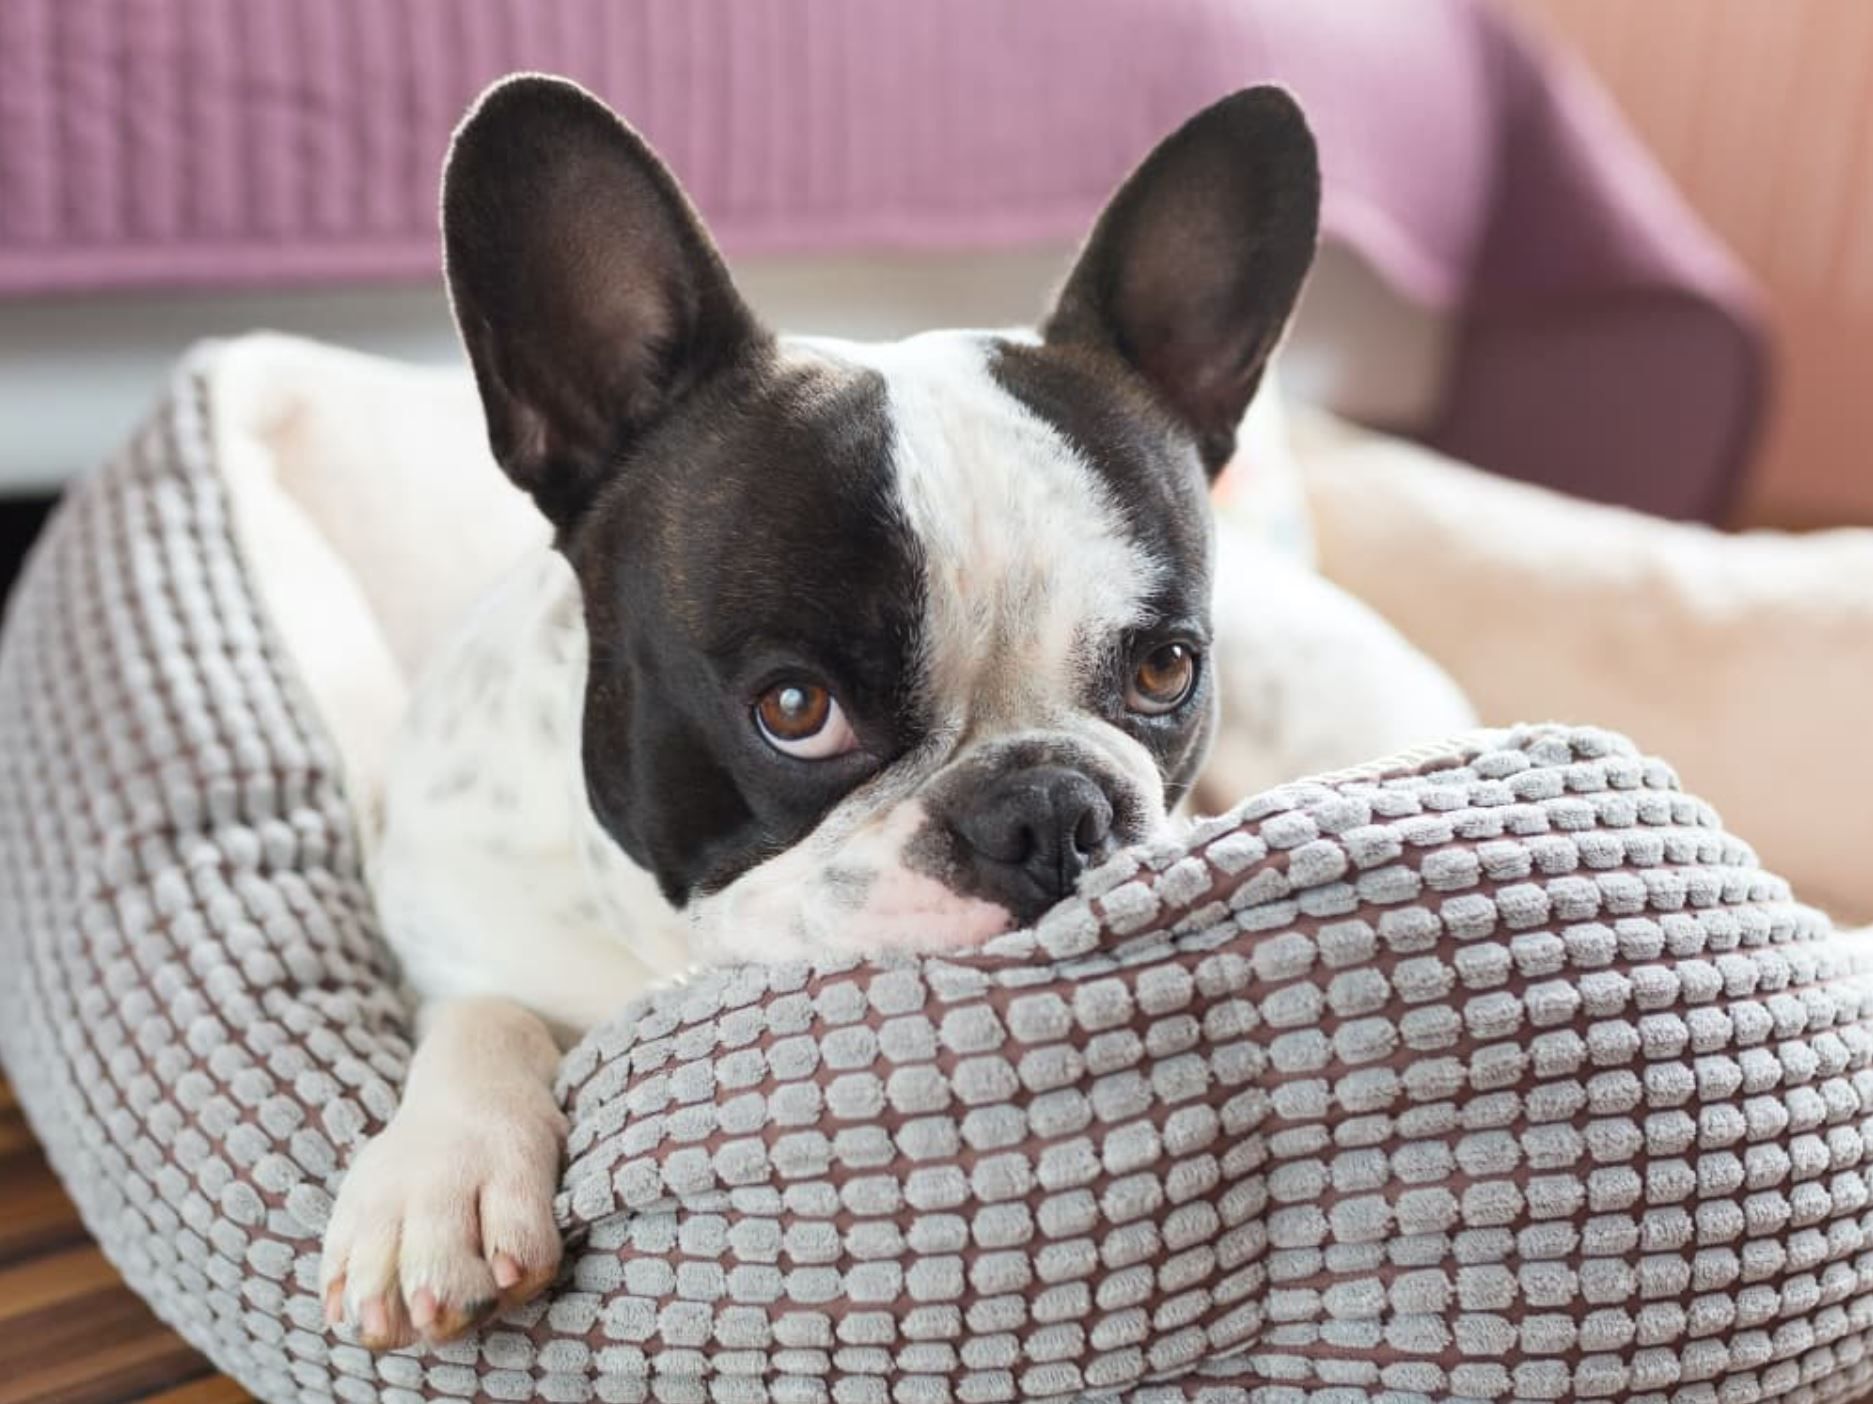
(1260, 492)
(1312, 679)
(1746, 659)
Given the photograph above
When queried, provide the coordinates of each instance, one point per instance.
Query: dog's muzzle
(1029, 834)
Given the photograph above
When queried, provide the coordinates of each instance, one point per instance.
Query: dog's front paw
(443, 1218)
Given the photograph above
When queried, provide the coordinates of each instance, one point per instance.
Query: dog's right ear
(588, 294)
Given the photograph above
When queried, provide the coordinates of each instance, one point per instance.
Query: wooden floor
(70, 1331)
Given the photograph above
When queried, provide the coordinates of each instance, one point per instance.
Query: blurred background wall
(1506, 277)
(1762, 112)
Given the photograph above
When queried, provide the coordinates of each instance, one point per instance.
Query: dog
(840, 647)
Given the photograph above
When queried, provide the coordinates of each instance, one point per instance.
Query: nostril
(1019, 845)
(1094, 828)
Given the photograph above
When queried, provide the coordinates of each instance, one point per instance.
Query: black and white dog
(842, 646)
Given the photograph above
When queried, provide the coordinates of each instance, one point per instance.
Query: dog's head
(887, 643)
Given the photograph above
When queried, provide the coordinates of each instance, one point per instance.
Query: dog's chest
(492, 874)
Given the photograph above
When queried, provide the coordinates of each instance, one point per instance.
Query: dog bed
(1496, 1071)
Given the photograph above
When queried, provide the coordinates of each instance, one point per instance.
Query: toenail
(375, 1319)
(506, 1271)
(422, 1308)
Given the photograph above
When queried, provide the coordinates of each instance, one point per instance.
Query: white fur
(453, 1201)
(490, 872)
(1027, 553)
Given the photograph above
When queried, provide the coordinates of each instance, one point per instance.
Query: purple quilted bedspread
(214, 143)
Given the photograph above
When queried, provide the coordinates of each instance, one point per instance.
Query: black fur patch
(756, 535)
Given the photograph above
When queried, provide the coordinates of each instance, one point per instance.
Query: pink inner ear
(589, 293)
(1196, 327)
(528, 447)
(1196, 263)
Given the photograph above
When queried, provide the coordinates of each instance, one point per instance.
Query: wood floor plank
(54, 1279)
(35, 1214)
(70, 1331)
(213, 1389)
(16, 1137)
(117, 1369)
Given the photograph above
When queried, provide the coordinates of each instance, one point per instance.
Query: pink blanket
(225, 142)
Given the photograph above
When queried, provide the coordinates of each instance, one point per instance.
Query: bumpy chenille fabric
(1498, 1072)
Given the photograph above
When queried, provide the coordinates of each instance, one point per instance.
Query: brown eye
(803, 719)
(1162, 679)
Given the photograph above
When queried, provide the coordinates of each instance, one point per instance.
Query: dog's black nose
(1032, 833)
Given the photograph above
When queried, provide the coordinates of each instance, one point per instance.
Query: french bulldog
(840, 647)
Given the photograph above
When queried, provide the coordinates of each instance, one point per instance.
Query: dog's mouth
(851, 895)
(908, 911)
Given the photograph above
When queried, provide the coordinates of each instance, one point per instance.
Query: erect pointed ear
(587, 292)
(1192, 269)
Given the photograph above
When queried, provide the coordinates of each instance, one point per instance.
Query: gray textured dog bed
(1500, 1073)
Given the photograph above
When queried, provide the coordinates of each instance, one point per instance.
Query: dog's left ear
(1191, 271)
(588, 294)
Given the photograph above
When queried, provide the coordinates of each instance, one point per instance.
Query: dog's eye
(803, 719)
(1162, 678)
